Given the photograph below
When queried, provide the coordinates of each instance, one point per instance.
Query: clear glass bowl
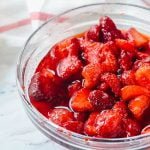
(69, 23)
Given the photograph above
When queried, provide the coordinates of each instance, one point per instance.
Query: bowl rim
(39, 115)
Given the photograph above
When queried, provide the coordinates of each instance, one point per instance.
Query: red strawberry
(100, 100)
(68, 66)
(75, 126)
(79, 101)
(138, 106)
(132, 91)
(109, 30)
(113, 82)
(93, 33)
(136, 37)
(43, 87)
(60, 115)
(141, 55)
(89, 126)
(142, 75)
(108, 124)
(103, 86)
(91, 74)
(81, 116)
(74, 87)
(132, 127)
(69, 46)
(146, 130)
(128, 77)
(91, 51)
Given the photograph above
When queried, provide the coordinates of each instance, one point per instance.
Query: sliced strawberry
(136, 37)
(128, 77)
(60, 116)
(113, 82)
(75, 126)
(108, 124)
(79, 101)
(109, 30)
(69, 46)
(68, 67)
(132, 127)
(91, 74)
(132, 91)
(74, 87)
(142, 75)
(146, 130)
(91, 51)
(93, 33)
(101, 100)
(44, 87)
(138, 106)
(89, 126)
(141, 55)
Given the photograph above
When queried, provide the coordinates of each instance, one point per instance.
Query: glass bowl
(64, 25)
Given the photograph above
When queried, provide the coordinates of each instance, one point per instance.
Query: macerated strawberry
(75, 126)
(60, 115)
(74, 87)
(89, 126)
(113, 82)
(121, 107)
(131, 91)
(79, 101)
(128, 78)
(65, 48)
(108, 124)
(146, 130)
(132, 127)
(91, 74)
(93, 33)
(138, 105)
(103, 86)
(81, 116)
(109, 30)
(126, 60)
(125, 45)
(142, 75)
(101, 100)
(43, 87)
(136, 37)
(91, 51)
(68, 67)
(141, 55)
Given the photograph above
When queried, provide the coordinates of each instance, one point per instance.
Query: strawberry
(103, 86)
(100, 100)
(138, 105)
(128, 77)
(141, 55)
(79, 101)
(67, 47)
(132, 127)
(74, 87)
(146, 130)
(60, 115)
(109, 30)
(75, 126)
(93, 33)
(136, 37)
(91, 73)
(142, 75)
(44, 86)
(108, 124)
(91, 51)
(89, 126)
(132, 91)
(113, 82)
(68, 67)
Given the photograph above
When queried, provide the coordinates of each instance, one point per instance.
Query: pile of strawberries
(96, 83)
